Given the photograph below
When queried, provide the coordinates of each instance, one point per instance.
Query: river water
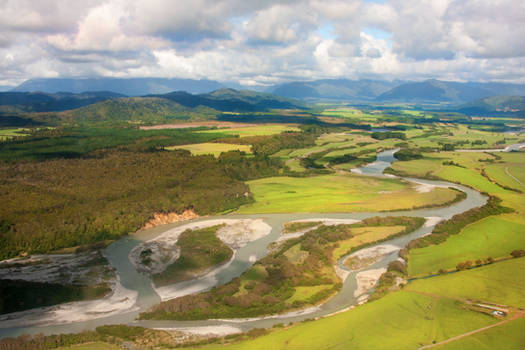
(117, 254)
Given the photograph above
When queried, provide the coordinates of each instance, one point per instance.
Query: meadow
(212, 148)
(260, 130)
(501, 283)
(13, 132)
(508, 336)
(91, 346)
(338, 193)
(403, 320)
(494, 236)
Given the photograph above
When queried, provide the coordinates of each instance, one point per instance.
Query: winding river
(140, 285)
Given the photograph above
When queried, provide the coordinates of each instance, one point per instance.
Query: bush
(464, 265)
(518, 253)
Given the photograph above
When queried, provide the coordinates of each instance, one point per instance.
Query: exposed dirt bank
(169, 218)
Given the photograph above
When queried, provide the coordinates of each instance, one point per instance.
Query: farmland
(339, 193)
(211, 148)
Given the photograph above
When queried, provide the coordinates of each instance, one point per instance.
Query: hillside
(513, 105)
(144, 109)
(444, 91)
(46, 102)
(126, 86)
(337, 89)
(233, 100)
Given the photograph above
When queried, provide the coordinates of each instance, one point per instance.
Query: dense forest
(59, 203)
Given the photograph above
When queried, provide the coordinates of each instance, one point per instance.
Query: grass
(91, 346)
(494, 236)
(212, 148)
(365, 235)
(262, 130)
(509, 336)
(399, 321)
(502, 282)
(303, 293)
(15, 132)
(511, 172)
(338, 193)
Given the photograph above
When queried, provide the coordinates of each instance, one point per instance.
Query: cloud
(263, 42)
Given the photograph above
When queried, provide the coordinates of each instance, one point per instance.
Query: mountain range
(354, 91)
(44, 102)
(495, 105)
(124, 86)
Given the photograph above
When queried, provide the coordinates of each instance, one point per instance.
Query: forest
(53, 204)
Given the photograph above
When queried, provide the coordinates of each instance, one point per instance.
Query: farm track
(516, 316)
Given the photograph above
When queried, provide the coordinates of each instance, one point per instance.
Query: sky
(263, 42)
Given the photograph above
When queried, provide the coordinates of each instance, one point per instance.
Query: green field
(365, 235)
(262, 130)
(502, 283)
(15, 132)
(511, 172)
(212, 148)
(351, 113)
(91, 346)
(509, 336)
(494, 236)
(400, 321)
(338, 193)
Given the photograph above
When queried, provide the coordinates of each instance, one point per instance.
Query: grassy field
(400, 321)
(365, 235)
(494, 236)
(351, 113)
(511, 172)
(261, 130)
(509, 336)
(502, 282)
(212, 148)
(338, 193)
(8, 133)
(91, 346)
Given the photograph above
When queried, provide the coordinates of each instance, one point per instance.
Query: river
(117, 254)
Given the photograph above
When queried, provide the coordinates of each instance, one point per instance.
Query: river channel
(117, 254)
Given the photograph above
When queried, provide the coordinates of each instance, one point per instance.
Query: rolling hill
(233, 100)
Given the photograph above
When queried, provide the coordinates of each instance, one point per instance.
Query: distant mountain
(495, 105)
(178, 105)
(145, 109)
(125, 86)
(233, 100)
(45, 102)
(435, 91)
(334, 89)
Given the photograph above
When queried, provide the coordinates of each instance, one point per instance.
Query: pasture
(338, 193)
(260, 130)
(494, 236)
(399, 321)
(502, 283)
(212, 148)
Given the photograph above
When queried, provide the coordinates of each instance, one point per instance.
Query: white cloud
(265, 41)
